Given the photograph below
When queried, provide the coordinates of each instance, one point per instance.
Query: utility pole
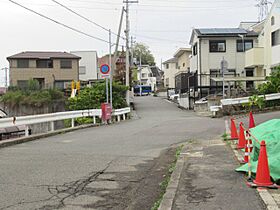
(6, 76)
(110, 64)
(140, 65)
(127, 82)
(132, 52)
(117, 43)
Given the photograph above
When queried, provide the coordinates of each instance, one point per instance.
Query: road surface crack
(60, 193)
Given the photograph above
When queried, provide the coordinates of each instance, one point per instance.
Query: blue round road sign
(105, 69)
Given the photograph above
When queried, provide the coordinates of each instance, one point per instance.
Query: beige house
(266, 56)
(174, 66)
(210, 46)
(170, 68)
(183, 59)
(50, 69)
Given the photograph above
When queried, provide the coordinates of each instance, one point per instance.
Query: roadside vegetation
(92, 97)
(31, 95)
(165, 182)
(272, 85)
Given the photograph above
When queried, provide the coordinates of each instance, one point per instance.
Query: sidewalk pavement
(205, 178)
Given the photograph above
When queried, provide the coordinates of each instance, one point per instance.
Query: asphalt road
(110, 167)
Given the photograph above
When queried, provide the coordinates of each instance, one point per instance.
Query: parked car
(175, 97)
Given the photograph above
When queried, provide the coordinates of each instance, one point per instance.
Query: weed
(165, 182)
(225, 136)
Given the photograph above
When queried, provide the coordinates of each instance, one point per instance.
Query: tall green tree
(146, 55)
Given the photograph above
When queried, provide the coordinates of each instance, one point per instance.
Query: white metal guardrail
(52, 117)
(234, 101)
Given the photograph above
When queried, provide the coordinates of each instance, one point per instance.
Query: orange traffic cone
(233, 133)
(263, 174)
(251, 121)
(241, 139)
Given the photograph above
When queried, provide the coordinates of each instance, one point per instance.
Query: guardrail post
(94, 120)
(72, 122)
(26, 130)
(52, 125)
(119, 118)
(123, 116)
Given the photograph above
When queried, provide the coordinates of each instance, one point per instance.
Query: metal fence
(52, 117)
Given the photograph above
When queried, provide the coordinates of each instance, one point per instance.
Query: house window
(62, 84)
(82, 70)
(217, 46)
(184, 64)
(23, 63)
(22, 84)
(144, 75)
(177, 66)
(249, 72)
(66, 64)
(242, 45)
(44, 64)
(195, 49)
(167, 66)
(275, 38)
(272, 20)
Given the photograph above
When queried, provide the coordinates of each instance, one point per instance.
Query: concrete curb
(168, 197)
(264, 193)
(7, 143)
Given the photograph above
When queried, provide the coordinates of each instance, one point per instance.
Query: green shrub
(92, 97)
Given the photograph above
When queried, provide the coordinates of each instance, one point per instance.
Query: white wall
(89, 62)
(271, 53)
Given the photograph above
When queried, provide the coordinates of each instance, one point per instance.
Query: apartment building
(50, 69)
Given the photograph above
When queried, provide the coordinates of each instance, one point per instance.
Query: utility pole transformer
(127, 69)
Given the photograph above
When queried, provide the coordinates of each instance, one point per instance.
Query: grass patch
(225, 136)
(165, 182)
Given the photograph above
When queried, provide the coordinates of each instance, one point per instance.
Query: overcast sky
(164, 25)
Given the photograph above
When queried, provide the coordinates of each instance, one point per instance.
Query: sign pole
(107, 91)
(105, 72)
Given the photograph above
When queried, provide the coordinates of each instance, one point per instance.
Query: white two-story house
(145, 77)
(209, 47)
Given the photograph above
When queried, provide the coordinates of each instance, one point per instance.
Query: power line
(158, 38)
(85, 18)
(59, 23)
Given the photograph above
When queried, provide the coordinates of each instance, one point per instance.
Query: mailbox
(106, 111)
